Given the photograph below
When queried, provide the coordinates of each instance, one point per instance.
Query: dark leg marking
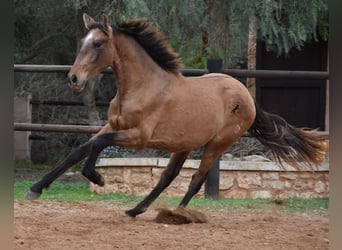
(74, 157)
(175, 164)
(195, 185)
(91, 148)
(98, 145)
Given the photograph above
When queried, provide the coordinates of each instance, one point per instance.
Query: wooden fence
(186, 72)
(212, 182)
(317, 75)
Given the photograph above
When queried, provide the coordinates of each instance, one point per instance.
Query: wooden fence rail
(194, 72)
(38, 127)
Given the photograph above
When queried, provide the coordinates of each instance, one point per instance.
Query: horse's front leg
(92, 148)
(74, 157)
(175, 164)
(88, 169)
(104, 138)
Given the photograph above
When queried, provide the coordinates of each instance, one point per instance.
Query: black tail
(287, 143)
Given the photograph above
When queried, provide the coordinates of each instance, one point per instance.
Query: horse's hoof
(32, 195)
(131, 213)
(101, 182)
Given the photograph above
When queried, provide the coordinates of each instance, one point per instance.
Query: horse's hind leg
(210, 154)
(175, 164)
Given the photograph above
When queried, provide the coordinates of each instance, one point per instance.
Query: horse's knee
(93, 176)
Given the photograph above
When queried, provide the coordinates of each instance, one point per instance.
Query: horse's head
(96, 53)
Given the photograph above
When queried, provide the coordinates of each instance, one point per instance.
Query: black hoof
(101, 182)
(32, 195)
(131, 213)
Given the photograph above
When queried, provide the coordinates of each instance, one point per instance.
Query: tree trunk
(252, 43)
(218, 31)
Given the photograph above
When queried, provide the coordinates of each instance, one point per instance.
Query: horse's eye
(97, 44)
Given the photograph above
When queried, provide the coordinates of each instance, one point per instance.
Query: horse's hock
(238, 179)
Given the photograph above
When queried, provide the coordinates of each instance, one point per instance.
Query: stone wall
(238, 179)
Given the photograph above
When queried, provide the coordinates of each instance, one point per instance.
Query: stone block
(248, 179)
(114, 171)
(140, 190)
(287, 184)
(319, 187)
(141, 177)
(307, 195)
(126, 175)
(187, 173)
(289, 175)
(305, 184)
(156, 172)
(307, 175)
(270, 176)
(234, 193)
(260, 194)
(278, 185)
(226, 181)
(288, 194)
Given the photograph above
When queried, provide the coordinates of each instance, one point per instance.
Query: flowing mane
(153, 41)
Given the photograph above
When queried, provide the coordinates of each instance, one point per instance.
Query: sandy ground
(102, 225)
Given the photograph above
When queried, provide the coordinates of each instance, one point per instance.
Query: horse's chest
(122, 117)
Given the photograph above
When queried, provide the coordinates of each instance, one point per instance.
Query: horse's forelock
(100, 27)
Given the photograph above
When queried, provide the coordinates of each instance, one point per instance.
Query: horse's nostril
(73, 78)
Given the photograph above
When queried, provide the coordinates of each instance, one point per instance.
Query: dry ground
(101, 225)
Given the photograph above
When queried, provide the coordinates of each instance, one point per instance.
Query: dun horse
(156, 107)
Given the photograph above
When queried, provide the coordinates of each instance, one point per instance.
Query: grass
(26, 164)
(80, 192)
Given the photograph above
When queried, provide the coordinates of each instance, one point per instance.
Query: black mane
(153, 41)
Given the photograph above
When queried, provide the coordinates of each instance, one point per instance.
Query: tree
(286, 24)
(283, 25)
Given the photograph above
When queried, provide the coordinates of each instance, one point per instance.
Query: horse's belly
(173, 145)
(182, 135)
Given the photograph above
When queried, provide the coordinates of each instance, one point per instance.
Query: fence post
(213, 179)
(22, 113)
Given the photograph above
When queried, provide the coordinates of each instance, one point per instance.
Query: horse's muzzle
(73, 79)
(75, 84)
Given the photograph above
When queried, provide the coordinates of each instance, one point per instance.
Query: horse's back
(201, 107)
(227, 89)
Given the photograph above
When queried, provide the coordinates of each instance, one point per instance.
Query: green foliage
(289, 23)
(29, 165)
(283, 24)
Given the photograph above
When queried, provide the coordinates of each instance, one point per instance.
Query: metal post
(213, 179)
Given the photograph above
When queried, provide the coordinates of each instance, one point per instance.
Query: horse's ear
(104, 20)
(88, 21)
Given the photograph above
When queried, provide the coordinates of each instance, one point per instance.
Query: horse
(156, 107)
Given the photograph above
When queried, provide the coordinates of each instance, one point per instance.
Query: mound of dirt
(179, 216)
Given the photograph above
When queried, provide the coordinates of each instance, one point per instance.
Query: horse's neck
(133, 67)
